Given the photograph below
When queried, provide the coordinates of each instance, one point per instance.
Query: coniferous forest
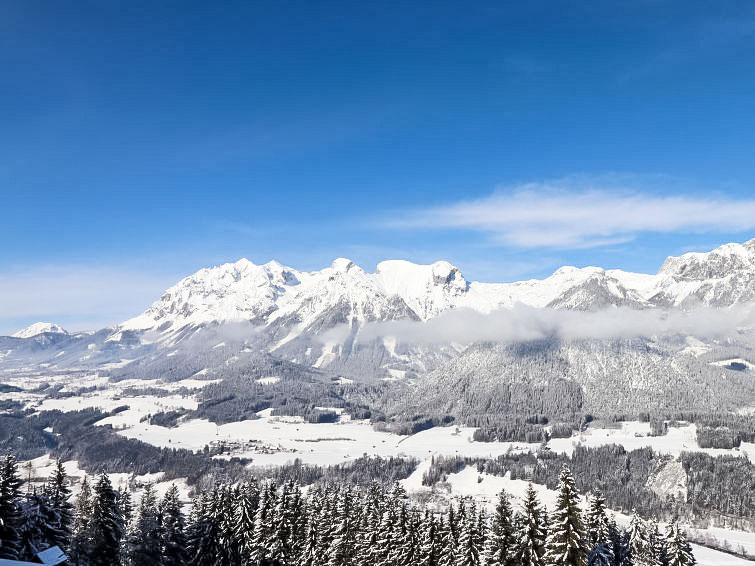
(262, 523)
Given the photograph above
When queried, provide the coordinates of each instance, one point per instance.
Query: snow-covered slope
(40, 328)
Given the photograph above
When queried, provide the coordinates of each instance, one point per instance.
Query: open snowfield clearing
(322, 444)
(632, 435)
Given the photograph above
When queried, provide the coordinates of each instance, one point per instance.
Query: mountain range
(228, 318)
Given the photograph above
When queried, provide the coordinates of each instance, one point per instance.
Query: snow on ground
(709, 557)
(633, 435)
(323, 443)
(116, 365)
(268, 380)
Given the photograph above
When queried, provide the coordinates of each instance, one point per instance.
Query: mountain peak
(40, 328)
(342, 264)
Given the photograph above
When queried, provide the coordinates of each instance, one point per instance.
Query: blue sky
(141, 141)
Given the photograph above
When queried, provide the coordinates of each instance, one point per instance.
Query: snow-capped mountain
(314, 318)
(298, 301)
(40, 328)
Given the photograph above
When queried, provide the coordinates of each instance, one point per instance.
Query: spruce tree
(106, 525)
(596, 519)
(81, 539)
(386, 542)
(429, 541)
(246, 509)
(641, 552)
(203, 532)
(226, 520)
(500, 547)
(656, 543)
(343, 536)
(678, 550)
(619, 544)
(446, 541)
(36, 513)
(263, 522)
(279, 545)
(172, 526)
(310, 555)
(468, 552)
(530, 546)
(59, 494)
(10, 508)
(145, 548)
(567, 544)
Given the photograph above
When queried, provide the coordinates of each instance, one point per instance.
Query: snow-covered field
(632, 435)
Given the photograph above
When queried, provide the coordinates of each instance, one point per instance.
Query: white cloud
(560, 215)
(527, 323)
(77, 297)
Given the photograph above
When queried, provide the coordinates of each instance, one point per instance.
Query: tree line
(257, 523)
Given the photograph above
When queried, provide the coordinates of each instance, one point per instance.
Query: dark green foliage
(105, 527)
(10, 508)
(144, 544)
(567, 538)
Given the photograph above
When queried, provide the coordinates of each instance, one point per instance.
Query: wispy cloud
(523, 323)
(558, 215)
(78, 297)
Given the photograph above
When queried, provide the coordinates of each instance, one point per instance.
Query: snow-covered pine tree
(468, 551)
(596, 519)
(598, 535)
(80, 539)
(36, 513)
(413, 537)
(429, 541)
(530, 546)
(619, 544)
(59, 494)
(325, 519)
(144, 545)
(246, 508)
(678, 550)
(656, 543)
(386, 543)
(226, 500)
(600, 555)
(342, 547)
(309, 554)
(296, 510)
(202, 534)
(105, 526)
(263, 521)
(566, 544)
(10, 508)
(279, 543)
(446, 541)
(641, 553)
(481, 531)
(172, 526)
(501, 541)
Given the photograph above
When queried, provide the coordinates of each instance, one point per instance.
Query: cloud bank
(558, 215)
(523, 323)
